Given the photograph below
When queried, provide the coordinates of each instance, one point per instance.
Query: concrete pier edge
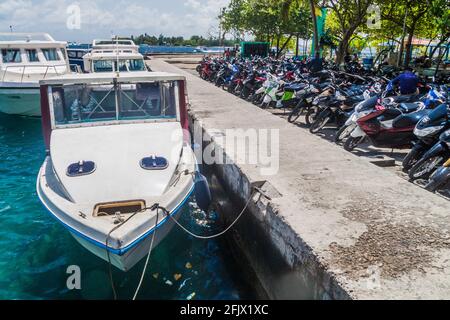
(344, 228)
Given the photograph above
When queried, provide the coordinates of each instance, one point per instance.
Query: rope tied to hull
(157, 207)
(217, 234)
(108, 237)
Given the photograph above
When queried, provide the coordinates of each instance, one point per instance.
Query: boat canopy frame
(114, 82)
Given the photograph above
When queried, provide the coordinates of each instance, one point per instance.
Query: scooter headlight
(426, 131)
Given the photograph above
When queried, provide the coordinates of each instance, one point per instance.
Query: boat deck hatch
(154, 163)
(80, 168)
(112, 208)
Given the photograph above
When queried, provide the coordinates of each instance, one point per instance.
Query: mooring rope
(148, 255)
(215, 235)
(108, 237)
(167, 212)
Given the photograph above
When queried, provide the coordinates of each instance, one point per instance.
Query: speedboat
(119, 165)
(116, 55)
(25, 59)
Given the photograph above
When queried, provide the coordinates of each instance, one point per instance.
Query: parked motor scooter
(387, 126)
(440, 179)
(427, 131)
(432, 159)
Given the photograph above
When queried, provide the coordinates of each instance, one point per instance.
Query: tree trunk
(409, 47)
(315, 30)
(283, 46)
(400, 52)
(428, 45)
(441, 41)
(342, 49)
(440, 58)
(278, 45)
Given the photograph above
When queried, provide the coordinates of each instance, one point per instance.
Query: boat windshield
(122, 65)
(81, 103)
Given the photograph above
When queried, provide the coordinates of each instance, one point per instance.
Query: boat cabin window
(103, 66)
(11, 56)
(50, 54)
(121, 65)
(81, 103)
(136, 65)
(32, 55)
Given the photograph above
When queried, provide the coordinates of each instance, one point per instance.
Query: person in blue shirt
(407, 81)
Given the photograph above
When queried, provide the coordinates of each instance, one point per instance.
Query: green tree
(345, 19)
(275, 21)
(408, 15)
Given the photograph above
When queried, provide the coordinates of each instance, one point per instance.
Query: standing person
(227, 54)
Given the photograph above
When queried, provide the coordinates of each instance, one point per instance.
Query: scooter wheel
(311, 115)
(433, 185)
(424, 168)
(411, 158)
(342, 133)
(318, 124)
(295, 114)
(351, 143)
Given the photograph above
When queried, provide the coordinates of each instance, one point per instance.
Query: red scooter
(387, 126)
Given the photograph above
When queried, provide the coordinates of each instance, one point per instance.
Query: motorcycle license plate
(309, 100)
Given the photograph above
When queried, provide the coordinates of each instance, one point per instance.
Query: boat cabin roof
(109, 49)
(113, 42)
(139, 76)
(29, 40)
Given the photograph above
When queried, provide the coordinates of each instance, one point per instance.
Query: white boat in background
(25, 59)
(117, 55)
(116, 151)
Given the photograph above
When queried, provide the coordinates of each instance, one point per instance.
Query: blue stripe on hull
(124, 250)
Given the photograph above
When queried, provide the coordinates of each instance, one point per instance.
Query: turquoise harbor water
(36, 250)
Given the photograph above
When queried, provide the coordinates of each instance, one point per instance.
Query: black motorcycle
(432, 159)
(337, 110)
(427, 132)
(440, 179)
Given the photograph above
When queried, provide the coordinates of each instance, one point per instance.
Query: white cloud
(194, 4)
(100, 18)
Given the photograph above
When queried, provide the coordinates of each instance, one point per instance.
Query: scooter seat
(409, 120)
(406, 98)
(356, 99)
(295, 87)
(322, 86)
(408, 107)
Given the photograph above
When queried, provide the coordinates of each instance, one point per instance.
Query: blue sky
(103, 18)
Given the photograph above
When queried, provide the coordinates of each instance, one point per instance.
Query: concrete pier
(333, 226)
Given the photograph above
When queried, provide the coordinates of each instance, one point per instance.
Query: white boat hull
(130, 252)
(126, 261)
(20, 101)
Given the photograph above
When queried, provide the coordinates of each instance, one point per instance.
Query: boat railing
(46, 70)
